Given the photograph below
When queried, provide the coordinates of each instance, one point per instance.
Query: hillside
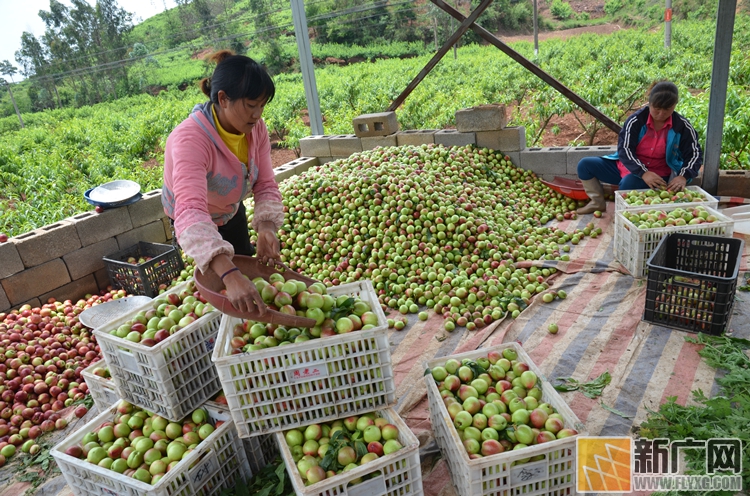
(166, 50)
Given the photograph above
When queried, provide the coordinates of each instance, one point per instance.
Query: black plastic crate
(144, 278)
(691, 282)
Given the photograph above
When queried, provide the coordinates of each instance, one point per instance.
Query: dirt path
(562, 34)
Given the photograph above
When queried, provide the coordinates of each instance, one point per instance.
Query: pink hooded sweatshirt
(204, 183)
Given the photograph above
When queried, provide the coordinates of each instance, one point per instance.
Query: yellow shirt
(237, 143)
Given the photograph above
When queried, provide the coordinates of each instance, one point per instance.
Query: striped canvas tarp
(600, 329)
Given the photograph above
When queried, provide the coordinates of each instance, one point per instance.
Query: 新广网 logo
(623, 464)
(605, 464)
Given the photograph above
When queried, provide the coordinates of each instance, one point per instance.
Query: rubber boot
(595, 192)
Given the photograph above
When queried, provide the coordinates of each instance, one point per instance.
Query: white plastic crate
(399, 474)
(497, 475)
(322, 379)
(259, 450)
(171, 378)
(214, 465)
(634, 246)
(103, 390)
(709, 201)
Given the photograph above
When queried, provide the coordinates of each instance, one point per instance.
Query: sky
(17, 16)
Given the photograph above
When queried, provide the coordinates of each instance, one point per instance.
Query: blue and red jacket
(684, 155)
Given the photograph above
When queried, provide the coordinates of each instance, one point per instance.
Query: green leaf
(591, 389)
(343, 309)
(564, 388)
(427, 371)
(476, 368)
(280, 488)
(615, 411)
(241, 489)
(281, 472)
(361, 448)
(328, 460)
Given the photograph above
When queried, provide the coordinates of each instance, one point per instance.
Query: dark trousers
(606, 171)
(235, 232)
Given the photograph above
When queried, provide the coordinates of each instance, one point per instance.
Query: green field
(46, 167)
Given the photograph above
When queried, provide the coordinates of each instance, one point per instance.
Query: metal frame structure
(719, 75)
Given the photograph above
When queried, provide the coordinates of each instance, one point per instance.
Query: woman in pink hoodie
(213, 159)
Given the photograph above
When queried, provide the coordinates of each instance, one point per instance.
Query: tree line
(84, 55)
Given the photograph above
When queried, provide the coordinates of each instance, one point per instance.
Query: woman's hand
(241, 291)
(268, 249)
(653, 180)
(677, 184)
(243, 294)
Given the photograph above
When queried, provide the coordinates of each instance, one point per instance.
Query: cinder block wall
(64, 260)
(546, 162)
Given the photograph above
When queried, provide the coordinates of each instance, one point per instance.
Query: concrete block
(283, 172)
(147, 209)
(4, 301)
(510, 139)
(167, 228)
(10, 260)
(344, 145)
(74, 290)
(379, 124)
(304, 163)
(151, 233)
(47, 243)
(315, 146)
(88, 259)
(576, 153)
(102, 279)
(416, 137)
(546, 161)
(93, 227)
(489, 117)
(453, 137)
(36, 281)
(372, 142)
(734, 183)
(515, 158)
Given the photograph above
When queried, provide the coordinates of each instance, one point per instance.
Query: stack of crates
(634, 245)
(172, 379)
(274, 390)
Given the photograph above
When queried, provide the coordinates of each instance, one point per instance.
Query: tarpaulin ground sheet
(600, 329)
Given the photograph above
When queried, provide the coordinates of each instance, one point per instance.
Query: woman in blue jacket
(657, 148)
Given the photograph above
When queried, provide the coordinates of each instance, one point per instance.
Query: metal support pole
(536, 30)
(534, 69)
(718, 98)
(466, 23)
(668, 24)
(307, 67)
